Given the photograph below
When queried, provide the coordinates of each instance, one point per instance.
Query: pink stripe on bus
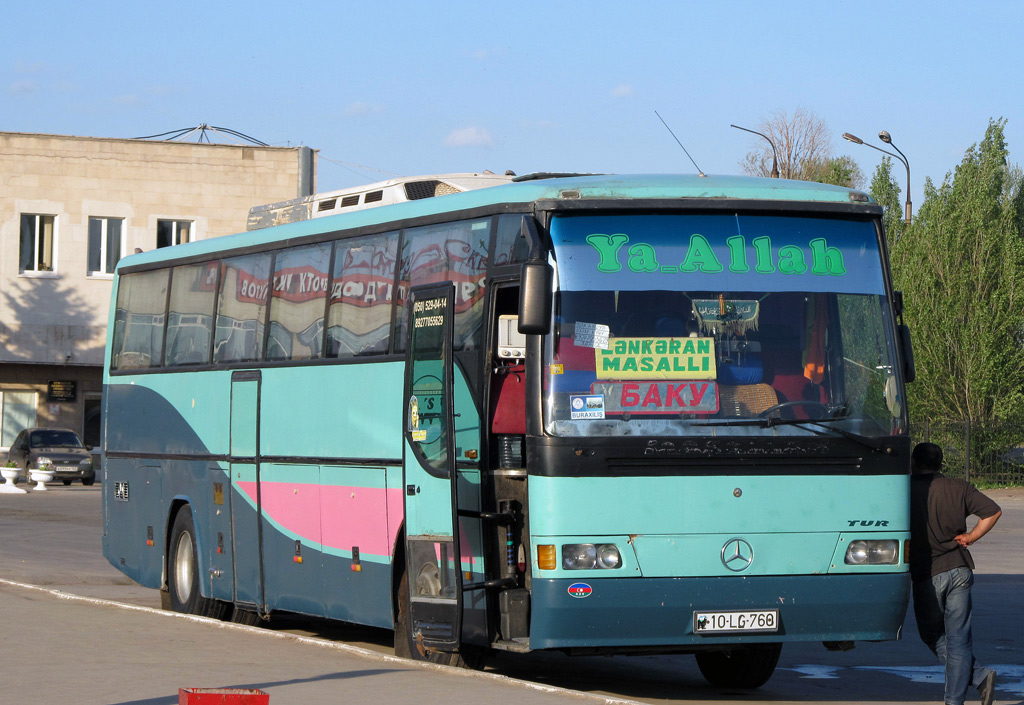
(338, 517)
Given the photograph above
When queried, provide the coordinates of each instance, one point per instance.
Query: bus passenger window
(510, 247)
(240, 312)
(455, 252)
(139, 321)
(362, 288)
(297, 303)
(190, 315)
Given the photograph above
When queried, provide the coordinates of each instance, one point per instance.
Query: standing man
(942, 568)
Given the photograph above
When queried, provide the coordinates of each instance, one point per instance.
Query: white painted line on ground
(1009, 677)
(325, 644)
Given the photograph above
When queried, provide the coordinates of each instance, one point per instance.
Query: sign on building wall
(61, 390)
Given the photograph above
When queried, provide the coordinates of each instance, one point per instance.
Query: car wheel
(87, 481)
(183, 571)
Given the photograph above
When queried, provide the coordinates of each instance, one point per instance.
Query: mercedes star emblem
(737, 555)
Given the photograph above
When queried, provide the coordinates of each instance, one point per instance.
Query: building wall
(53, 322)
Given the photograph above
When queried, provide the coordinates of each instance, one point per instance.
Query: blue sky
(414, 88)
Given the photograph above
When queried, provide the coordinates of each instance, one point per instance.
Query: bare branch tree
(804, 145)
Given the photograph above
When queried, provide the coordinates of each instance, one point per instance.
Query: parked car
(59, 448)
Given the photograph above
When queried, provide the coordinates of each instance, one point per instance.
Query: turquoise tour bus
(586, 413)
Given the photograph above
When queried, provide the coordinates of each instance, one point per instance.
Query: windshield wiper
(876, 444)
(808, 425)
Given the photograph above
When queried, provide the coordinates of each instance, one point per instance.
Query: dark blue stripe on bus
(624, 612)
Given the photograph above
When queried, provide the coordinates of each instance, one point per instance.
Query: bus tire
(748, 667)
(246, 617)
(183, 571)
(467, 656)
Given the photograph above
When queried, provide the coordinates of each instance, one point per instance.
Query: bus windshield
(717, 325)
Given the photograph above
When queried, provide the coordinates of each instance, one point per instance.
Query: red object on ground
(222, 696)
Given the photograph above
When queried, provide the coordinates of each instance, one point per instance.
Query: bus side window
(455, 252)
(139, 320)
(241, 308)
(362, 287)
(190, 314)
(300, 284)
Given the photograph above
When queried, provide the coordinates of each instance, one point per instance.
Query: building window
(37, 240)
(19, 413)
(106, 243)
(173, 232)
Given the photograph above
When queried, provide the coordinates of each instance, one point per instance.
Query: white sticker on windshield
(591, 335)
(589, 406)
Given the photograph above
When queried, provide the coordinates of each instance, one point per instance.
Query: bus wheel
(749, 667)
(183, 571)
(405, 643)
(241, 615)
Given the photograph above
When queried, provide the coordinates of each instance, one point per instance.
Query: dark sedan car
(58, 448)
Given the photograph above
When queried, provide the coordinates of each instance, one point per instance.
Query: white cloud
(31, 67)
(23, 88)
(469, 137)
(623, 90)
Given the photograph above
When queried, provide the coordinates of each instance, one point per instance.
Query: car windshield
(700, 351)
(51, 438)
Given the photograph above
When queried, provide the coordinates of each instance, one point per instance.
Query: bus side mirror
(909, 371)
(535, 298)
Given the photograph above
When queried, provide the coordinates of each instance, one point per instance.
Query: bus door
(246, 508)
(433, 557)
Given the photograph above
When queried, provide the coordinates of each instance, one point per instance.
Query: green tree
(886, 192)
(841, 171)
(961, 267)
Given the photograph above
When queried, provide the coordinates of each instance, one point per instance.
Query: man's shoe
(988, 687)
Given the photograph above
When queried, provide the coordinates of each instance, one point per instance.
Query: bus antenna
(679, 143)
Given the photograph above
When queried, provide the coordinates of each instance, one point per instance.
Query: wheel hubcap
(184, 568)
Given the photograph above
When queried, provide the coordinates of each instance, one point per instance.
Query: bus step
(500, 583)
(518, 646)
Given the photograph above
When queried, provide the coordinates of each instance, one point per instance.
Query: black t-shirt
(939, 507)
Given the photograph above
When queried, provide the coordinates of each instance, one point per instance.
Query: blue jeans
(942, 607)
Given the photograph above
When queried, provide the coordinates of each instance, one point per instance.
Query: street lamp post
(884, 136)
(775, 155)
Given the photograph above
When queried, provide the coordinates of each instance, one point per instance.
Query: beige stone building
(70, 207)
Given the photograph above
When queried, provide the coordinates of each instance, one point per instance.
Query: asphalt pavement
(61, 648)
(74, 630)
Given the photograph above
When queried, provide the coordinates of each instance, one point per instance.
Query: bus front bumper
(659, 612)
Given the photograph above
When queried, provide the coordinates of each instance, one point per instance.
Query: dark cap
(926, 456)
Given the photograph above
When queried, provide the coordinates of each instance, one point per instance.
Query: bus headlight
(608, 556)
(874, 552)
(588, 556)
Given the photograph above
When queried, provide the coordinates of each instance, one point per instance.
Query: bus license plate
(737, 621)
